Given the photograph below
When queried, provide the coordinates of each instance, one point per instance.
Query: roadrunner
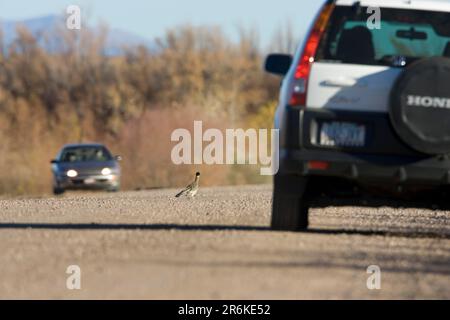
(192, 189)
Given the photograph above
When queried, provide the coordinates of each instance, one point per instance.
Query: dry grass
(131, 102)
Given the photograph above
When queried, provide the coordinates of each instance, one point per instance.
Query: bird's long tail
(180, 194)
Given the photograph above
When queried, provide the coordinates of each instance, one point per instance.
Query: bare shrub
(133, 102)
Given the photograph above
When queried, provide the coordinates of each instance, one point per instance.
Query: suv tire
(290, 206)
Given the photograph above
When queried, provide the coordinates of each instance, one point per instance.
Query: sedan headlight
(72, 173)
(106, 171)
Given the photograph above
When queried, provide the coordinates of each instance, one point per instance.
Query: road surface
(149, 245)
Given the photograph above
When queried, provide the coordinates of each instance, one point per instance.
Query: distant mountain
(116, 41)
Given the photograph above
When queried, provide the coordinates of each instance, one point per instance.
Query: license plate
(89, 181)
(342, 134)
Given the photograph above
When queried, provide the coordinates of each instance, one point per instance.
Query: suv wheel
(290, 206)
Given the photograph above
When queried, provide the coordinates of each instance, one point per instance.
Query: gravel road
(149, 245)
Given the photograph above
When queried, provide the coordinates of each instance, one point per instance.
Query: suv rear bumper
(384, 159)
(366, 168)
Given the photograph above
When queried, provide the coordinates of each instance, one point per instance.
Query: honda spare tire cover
(420, 106)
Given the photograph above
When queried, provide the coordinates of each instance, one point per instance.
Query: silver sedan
(85, 166)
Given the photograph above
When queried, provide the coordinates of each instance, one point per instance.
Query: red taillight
(300, 81)
(318, 165)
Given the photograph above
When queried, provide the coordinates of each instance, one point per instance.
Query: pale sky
(149, 18)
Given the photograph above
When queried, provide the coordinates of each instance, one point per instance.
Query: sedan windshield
(85, 154)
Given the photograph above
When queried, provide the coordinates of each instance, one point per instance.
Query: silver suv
(364, 111)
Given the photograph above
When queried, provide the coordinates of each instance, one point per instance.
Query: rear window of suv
(404, 36)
